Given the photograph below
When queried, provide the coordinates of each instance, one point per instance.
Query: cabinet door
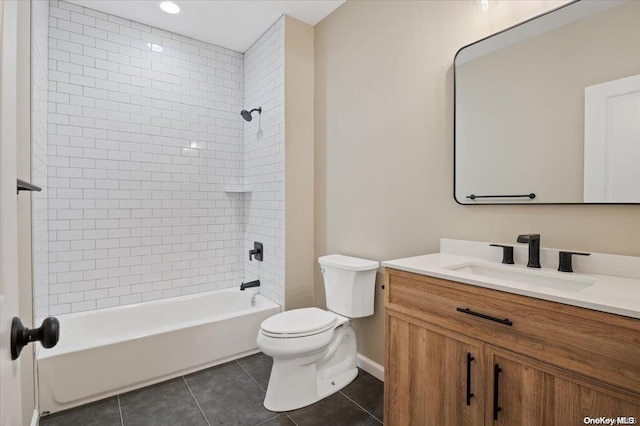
(526, 392)
(427, 375)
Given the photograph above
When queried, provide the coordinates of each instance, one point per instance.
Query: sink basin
(528, 277)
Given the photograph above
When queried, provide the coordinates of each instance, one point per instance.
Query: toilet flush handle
(322, 270)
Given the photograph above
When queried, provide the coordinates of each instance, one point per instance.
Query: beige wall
(384, 144)
(298, 147)
(501, 121)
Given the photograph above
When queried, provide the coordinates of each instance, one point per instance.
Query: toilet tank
(349, 284)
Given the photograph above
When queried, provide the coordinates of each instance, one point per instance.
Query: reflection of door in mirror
(612, 142)
(520, 108)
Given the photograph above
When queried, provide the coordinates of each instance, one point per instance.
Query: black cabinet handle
(469, 394)
(485, 316)
(496, 389)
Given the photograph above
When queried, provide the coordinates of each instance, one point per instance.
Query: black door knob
(48, 334)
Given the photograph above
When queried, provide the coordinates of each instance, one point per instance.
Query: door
(612, 142)
(526, 392)
(10, 387)
(434, 377)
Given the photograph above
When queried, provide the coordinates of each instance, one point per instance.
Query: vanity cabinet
(533, 393)
(429, 375)
(550, 363)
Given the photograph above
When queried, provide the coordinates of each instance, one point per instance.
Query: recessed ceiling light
(169, 7)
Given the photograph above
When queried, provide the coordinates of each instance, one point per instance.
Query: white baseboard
(35, 418)
(371, 367)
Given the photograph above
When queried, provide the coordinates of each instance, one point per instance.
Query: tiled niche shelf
(237, 189)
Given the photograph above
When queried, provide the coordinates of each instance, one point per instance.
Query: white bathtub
(109, 351)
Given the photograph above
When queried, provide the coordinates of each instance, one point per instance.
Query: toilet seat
(298, 323)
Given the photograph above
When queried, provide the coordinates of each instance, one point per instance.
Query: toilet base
(328, 387)
(298, 382)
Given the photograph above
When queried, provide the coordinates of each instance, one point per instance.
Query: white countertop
(613, 294)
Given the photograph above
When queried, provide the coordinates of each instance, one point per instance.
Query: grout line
(120, 410)
(268, 420)
(196, 400)
(252, 378)
(260, 386)
(361, 407)
(294, 422)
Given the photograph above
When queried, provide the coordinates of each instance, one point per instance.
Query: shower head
(247, 114)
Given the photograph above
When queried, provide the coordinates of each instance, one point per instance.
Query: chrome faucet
(534, 248)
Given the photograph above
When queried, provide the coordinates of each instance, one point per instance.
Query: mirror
(548, 111)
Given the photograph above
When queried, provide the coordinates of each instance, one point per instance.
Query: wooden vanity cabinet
(427, 380)
(534, 393)
(533, 363)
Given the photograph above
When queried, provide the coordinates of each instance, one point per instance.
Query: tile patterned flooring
(228, 394)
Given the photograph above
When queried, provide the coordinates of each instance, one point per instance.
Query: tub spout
(250, 284)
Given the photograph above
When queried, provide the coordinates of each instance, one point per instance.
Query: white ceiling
(234, 24)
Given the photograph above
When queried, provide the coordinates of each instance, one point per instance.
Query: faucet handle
(256, 252)
(525, 238)
(507, 253)
(564, 264)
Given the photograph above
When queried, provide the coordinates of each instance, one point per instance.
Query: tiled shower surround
(39, 159)
(144, 135)
(264, 160)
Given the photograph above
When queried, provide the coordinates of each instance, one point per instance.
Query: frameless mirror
(548, 111)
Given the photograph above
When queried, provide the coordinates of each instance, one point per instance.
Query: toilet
(314, 350)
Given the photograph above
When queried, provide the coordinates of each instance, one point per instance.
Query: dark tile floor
(228, 394)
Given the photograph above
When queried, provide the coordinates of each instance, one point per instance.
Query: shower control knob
(48, 334)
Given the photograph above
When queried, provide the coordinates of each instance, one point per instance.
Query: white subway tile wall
(39, 96)
(144, 135)
(264, 160)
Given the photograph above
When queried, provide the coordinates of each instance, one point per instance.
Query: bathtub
(110, 351)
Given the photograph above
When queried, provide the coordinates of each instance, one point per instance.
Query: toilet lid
(303, 321)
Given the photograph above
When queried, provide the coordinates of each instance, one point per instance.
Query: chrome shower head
(247, 114)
